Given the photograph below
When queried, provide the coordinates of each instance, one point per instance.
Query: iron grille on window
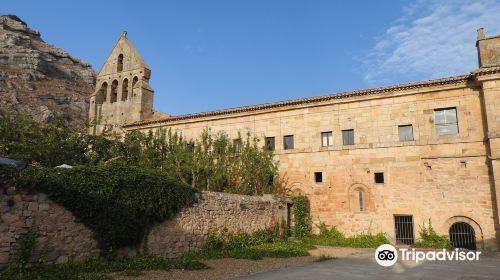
(348, 136)
(288, 142)
(270, 143)
(405, 132)
(404, 229)
(326, 138)
(446, 121)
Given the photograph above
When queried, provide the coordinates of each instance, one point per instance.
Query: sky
(208, 55)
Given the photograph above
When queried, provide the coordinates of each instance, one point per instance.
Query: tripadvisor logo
(387, 255)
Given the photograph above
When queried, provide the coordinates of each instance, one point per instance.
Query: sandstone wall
(61, 237)
(189, 228)
(439, 177)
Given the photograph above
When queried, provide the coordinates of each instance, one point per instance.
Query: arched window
(361, 201)
(114, 91)
(125, 89)
(102, 93)
(119, 65)
(134, 81)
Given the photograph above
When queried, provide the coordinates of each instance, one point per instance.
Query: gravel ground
(222, 269)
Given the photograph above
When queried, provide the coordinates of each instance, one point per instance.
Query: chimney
(488, 49)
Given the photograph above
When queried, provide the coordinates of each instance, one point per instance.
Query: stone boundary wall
(189, 228)
(60, 236)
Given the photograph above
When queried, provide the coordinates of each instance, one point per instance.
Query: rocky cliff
(38, 79)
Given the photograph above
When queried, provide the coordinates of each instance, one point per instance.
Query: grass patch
(97, 269)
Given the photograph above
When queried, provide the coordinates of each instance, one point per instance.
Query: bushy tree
(210, 162)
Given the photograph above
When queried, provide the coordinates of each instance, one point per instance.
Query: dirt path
(222, 269)
(229, 268)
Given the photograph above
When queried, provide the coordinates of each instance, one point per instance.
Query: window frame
(438, 125)
(329, 138)
(268, 147)
(403, 126)
(349, 137)
(285, 147)
(237, 145)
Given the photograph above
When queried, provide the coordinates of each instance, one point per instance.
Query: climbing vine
(301, 216)
(118, 203)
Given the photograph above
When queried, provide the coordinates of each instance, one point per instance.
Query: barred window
(446, 121)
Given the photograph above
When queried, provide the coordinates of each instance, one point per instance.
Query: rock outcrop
(38, 79)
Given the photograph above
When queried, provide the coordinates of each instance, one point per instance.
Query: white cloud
(432, 39)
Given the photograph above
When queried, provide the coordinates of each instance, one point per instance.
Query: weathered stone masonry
(189, 229)
(450, 177)
(61, 237)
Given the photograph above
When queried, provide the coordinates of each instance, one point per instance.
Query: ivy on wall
(118, 203)
(301, 216)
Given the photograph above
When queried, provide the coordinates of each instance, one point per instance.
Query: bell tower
(122, 93)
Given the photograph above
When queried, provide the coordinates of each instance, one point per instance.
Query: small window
(361, 201)
(288, 142)
(119, 66)
(237, 145)
(318, 177)
(348, 136)
(446, 121)
(270, 143)
(379, 177)
(405, 132)
(326, 138)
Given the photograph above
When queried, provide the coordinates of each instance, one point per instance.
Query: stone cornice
(316, 99)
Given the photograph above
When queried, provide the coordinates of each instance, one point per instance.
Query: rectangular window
(348, 136)
(405, 132)
(446, 121)
(404, 229)
(270, 143)
(326, 138)
(237, 145)
(318, 177)
(361, 201)
(379, 177)
(288, 142)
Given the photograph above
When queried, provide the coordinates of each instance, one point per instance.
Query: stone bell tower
(122, 93)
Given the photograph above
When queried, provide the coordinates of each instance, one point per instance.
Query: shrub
(333, 237)
(119, 203)
(430, 239)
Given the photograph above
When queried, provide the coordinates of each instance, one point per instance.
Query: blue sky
(207, 55)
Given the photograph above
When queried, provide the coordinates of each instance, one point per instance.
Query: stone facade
(61, 237)
(189, 229)
(436, 143)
